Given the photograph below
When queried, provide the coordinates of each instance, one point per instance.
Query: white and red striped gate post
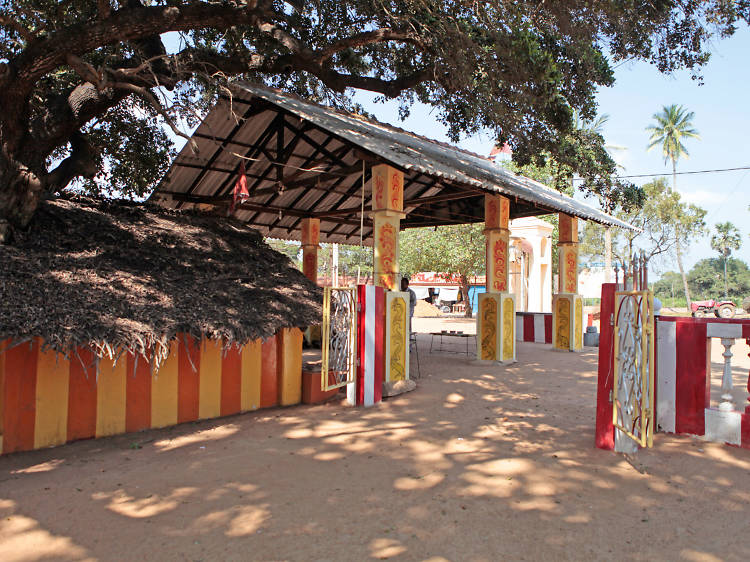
(368, 387)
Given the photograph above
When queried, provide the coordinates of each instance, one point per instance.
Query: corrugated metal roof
(242, 128)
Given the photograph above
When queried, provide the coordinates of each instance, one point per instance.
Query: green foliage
(726, 239)
(350, 258)
(673, 124)
(663, 219)
(668, 287)
(454, 250)
(706, 279)
(76, 76)
(290, 249)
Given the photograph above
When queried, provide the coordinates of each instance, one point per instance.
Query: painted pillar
(310, 241)
(567, 304)
(496, 314)
(387, 212)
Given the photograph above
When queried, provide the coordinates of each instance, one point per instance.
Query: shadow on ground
(480, 463)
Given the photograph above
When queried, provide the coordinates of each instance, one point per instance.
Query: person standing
(412, 298)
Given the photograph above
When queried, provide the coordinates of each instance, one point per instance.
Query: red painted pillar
(605, 433)
(693, 392)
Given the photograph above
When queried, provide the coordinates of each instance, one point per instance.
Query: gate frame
(326, 339)
(646, 368)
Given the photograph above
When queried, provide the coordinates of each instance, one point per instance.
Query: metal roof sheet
(413, 152)
(445, 184)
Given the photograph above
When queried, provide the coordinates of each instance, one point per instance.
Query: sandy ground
(477, 464)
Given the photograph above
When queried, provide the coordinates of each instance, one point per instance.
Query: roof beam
(410, 203)
(251, 111)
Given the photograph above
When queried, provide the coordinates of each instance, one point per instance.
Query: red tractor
(722, 309)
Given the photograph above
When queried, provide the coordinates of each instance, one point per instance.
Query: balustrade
(727, 385)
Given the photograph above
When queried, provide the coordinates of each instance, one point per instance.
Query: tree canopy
(663, 219)
(87, 87)
(706, 280)
(673, 125)
(451, 250)
(726, 239)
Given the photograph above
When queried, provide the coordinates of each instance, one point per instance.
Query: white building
(531, 264)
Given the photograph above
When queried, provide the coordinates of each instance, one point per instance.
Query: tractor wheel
(700, 313)
(725, 311)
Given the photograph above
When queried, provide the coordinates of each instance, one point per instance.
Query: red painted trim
(269, 376)
(360, 382)
(137, 394)
(656, 374)
(690, 319)
(605, 434)
(82, 395)
(548, 328)
(188, 379)
(528, 327)
(19, 409)
(745, 431)
(693, 386)
(746, 331)
(231, 381)
(379, 343)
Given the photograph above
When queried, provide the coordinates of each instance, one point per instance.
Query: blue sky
(722, 118)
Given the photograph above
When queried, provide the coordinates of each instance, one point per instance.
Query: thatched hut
(117, 317)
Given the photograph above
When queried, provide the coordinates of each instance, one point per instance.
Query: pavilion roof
(307, 160)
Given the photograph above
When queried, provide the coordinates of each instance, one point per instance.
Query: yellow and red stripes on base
(46, 399)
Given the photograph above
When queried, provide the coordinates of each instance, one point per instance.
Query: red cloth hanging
(240, 189)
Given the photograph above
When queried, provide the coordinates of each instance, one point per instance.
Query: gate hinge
(611, 319)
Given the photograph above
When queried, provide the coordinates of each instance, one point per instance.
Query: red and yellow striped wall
(46, 399)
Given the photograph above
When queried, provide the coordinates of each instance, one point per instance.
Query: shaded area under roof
(133, 276)
(307, 160)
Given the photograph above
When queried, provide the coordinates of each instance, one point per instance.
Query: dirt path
(477, 464)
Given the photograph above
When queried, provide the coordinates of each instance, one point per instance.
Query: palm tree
(726, 239)
(674, 124)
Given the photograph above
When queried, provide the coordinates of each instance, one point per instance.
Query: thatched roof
(121, 275)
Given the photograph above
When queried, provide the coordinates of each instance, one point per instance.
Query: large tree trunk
(20, 193)
(465, 292)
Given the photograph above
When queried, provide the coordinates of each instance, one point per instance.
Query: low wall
(46, 399)
(683, 376)
(682, 380)
(534, 327)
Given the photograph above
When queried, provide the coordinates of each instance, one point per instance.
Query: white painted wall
(538, 234)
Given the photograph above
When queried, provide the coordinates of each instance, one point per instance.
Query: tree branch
(81, 162)
(17, 26)
(365, 38)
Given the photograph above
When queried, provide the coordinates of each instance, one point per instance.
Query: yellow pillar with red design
(310, 241)
(387, 212)
(496, 311)
(567, 304)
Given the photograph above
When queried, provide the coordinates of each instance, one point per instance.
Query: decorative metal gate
(633, 392)
(339, 335)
